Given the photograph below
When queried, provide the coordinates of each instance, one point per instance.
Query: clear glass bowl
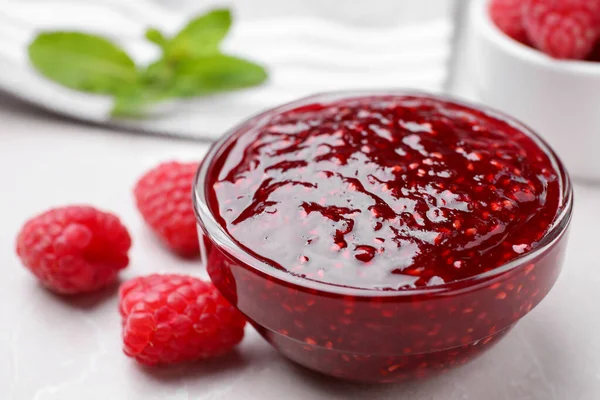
(379, 336)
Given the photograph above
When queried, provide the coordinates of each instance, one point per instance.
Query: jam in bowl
(381, 237)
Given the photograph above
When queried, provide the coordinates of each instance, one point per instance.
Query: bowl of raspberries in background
(166, 318)
(539, 60)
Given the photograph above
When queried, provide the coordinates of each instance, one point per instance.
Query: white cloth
(309, 46)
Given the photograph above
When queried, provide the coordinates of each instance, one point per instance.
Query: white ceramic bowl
(558, 99)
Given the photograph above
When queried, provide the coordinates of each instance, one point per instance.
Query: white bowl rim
(482, 21)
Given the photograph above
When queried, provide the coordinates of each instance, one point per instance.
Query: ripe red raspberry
(175, 318)
(508, 17)
(566, 29)
(164, 197)
(74, 249)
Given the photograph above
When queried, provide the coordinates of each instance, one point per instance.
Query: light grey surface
(56, 349)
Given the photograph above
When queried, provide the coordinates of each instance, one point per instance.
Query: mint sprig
(83, 62)
(191, 64)
(200, 37)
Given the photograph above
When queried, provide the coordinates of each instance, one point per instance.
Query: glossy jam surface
(386, 192)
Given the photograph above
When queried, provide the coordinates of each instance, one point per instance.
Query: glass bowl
(367, 335)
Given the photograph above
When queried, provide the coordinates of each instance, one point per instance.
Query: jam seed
(529, 268)
(501, 296)
(392, 368)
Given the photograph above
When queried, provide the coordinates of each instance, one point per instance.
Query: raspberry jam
(383, 237)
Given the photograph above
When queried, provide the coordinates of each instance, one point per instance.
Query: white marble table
(54, 349)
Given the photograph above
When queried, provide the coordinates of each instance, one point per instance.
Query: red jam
(388, 215)
(386, 193)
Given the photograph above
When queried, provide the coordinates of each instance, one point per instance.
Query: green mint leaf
(156, 37)
(155, 84)
(135, 101)
(194, 77)
(158, 73)
(216, 73)
(125, 106)
(83, 62)
(130, 106)
(200, 37)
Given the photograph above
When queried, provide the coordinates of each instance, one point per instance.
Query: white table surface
(66, 349)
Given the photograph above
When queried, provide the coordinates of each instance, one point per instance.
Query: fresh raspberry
(508, 17)
(176, 318)
(566, 29)
(74, 249)
(164, 197)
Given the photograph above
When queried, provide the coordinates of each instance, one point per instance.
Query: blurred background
(308, 46)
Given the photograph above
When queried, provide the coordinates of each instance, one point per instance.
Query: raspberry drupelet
(508, 17)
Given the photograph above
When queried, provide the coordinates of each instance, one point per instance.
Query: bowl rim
(481, 20)
(216, 233)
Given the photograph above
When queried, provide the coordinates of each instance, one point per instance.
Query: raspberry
(595, 55)
(164, 198)
(508, 17)
(74, 249)
(176, 318)
(565, 29)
